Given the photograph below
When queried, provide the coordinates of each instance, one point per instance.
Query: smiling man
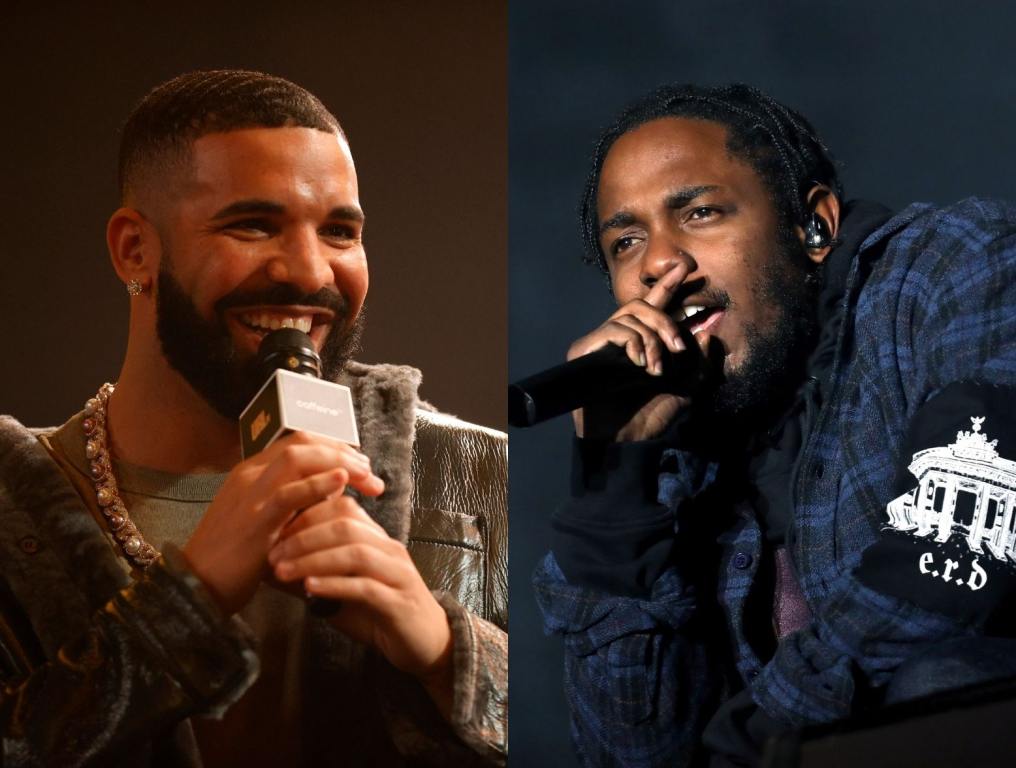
(821, 525)
(154, 585)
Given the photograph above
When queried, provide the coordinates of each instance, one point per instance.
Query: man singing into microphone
(814, 531)
(150, 578)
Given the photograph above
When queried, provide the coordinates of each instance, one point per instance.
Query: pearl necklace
(138, 552)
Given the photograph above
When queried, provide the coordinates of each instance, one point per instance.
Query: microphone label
(290, 401)
(258, 425)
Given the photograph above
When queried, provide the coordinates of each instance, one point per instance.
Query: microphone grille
(291, 350)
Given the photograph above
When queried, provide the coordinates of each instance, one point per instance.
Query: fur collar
(386, 402)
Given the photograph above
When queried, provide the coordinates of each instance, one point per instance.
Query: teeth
(686, 313)
(269, 322)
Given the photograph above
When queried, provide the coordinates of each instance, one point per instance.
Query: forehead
(668, 153)
(272, 162)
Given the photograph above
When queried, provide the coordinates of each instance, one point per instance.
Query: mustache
(711, 296)
(285, 294)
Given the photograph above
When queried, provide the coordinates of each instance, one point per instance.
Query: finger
(335, 507)
(365, 558)
(350, 589)
(290, 452)
(299, 460)
(663, 289)
(611, 332)
(650, 342)
(269, 454)
(660, 322)
(367, 483)
(338, 531)
(306, 492)
(655, 345)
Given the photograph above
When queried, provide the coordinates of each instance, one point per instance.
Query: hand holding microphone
(627, 379)
(332, 548)
(230, 545)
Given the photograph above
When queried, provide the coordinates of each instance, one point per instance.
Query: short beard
(202, 351)
(761, 387)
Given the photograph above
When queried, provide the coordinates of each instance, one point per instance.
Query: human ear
(822, 204)
(134, 249)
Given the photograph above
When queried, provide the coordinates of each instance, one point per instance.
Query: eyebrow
(347, 212)
(686, 195)
(675, 200)
(268, 207)
(248, 206)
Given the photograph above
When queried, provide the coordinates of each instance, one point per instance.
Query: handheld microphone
(295, 397)
(597, 378)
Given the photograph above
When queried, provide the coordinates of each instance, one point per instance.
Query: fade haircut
(160, 130)
(777, 142)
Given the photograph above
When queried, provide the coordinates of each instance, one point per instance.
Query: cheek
(625, 283)
(213, 284)
(352, 278)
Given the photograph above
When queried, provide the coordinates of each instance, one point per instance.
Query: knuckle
(290, 455)
(347, 504)
(625, 330)
(359, 555)
(338, 529)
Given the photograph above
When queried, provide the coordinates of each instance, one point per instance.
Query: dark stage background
(915, 98)
(419, 87)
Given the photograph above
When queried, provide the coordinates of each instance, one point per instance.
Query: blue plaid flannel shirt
(930, 300)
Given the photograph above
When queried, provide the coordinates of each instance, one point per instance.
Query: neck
(156, 420)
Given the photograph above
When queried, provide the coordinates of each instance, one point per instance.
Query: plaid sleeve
(636, 670)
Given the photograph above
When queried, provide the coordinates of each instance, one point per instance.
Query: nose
(662, 254)
(302, 261)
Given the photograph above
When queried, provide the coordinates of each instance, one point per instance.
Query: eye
(703, 212)
(251, 227)
(622, 244)
(339, 232)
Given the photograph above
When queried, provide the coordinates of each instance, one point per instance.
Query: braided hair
(162, 126)
(773, 139)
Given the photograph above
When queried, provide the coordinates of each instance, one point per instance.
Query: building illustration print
(964, 489)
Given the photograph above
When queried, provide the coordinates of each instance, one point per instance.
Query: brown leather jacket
(101, 669)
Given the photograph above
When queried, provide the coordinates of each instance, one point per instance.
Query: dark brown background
(419, 87)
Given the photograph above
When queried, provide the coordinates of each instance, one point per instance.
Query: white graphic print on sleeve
(964, 490)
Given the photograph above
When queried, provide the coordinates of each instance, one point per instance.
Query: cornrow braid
(776, 141)
(171, 116)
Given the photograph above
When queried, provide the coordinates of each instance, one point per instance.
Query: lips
(696, 317)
